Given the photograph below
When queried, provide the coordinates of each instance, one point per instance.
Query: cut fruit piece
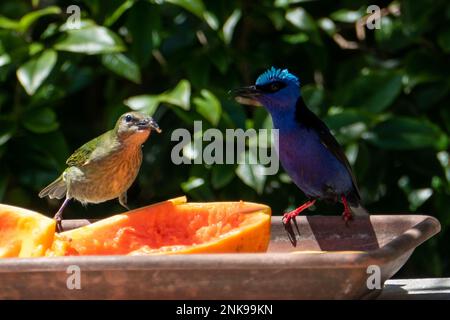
(172, 226)
(24, 233)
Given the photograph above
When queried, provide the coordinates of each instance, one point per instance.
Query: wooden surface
(414, 289)
(331, 261)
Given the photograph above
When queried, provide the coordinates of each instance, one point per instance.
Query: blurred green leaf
(111, 19)
(33, 73)
(84, 23)
(4, 59)
(27, 20)
(404, 133)
(327, 25)
(3, 183)
(285, 3)
(192, 183)
(7, 23)
(251, 174)
(194, 6)
(390, 35)
(349, 125)
(416, 197)
(301, 19)
(143, 24)
(123, 66)
(7, 128)
(230, 24)
(197, 188)
(297, 38)
(373, 91)
(421, 67)
(178, 96)
(211, 20)
(41, 120)
(314, 96)
(417, 16)
(208, 106)
(345, 15)
(90, 40)
(221, 176)
(444, 40)
(146, 103)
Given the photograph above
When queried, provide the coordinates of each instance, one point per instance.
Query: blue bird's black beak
(247, 95)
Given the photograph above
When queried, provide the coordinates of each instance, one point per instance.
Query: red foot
(347, 214)
(287, 217)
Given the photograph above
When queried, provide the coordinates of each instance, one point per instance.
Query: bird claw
(287, 217)
(59, 228)
(347, 216)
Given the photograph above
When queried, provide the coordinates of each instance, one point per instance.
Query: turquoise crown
(274, 74)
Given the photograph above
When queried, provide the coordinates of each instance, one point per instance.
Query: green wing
(83, 153)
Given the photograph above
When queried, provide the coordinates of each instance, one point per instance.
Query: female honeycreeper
(105, 167)
(307, 150)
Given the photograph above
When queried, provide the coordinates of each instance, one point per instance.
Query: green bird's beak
(154, 125)
(149, 123)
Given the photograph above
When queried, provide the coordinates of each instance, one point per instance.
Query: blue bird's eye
(275, 86)
(128, 118)
(272, 87)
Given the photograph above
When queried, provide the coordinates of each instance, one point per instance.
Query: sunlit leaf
(178, 96)
(301, 19)
(327, 25)
(33, 73)
(6, 23)
(90, 40)
(146, 103)
(192, 183)
(27, 20)
(345, 15)
(208, 106)
(194, 6)
(230, 24)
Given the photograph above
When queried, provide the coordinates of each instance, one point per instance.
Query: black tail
(356, 206)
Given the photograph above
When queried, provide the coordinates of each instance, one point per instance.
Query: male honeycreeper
(307, 150)
(105, 167)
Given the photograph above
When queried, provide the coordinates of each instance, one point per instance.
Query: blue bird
(307, 150)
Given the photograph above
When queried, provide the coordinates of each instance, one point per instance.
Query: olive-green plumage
(105, 167)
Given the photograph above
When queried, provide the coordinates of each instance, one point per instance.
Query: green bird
(104, 168)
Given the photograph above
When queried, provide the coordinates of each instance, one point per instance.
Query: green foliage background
(385, 95)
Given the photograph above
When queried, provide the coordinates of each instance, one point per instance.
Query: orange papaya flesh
(24, 233)
(172, 226)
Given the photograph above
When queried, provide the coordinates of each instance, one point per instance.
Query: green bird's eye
(128, 118)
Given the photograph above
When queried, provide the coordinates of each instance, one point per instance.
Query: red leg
(347, 214)
(290, 215)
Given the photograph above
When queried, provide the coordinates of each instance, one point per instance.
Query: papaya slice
(170, 227)
(24, 233)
